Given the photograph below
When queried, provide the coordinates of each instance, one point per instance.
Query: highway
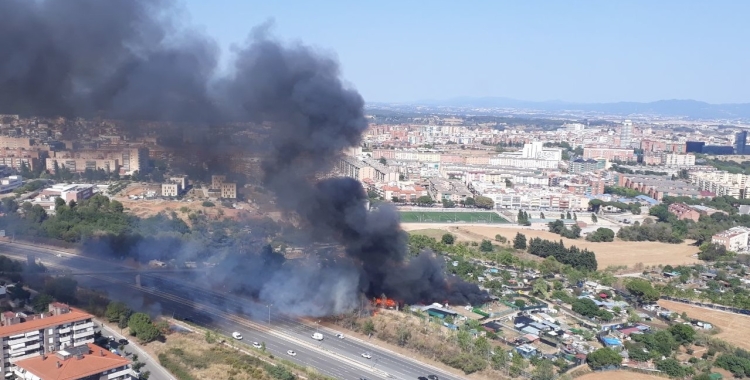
(171, 294)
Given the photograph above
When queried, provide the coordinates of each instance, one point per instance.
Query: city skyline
(539, 51)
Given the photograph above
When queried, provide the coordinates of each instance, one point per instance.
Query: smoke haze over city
(136, 60)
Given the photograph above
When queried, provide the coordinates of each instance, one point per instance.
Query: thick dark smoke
(131, 59)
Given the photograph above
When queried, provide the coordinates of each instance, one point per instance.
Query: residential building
(81, 362)
(217, 180)
(25, 336)
(229, 190)
(80, 165)
(658, 186)
(16, 142)
(361, 169)
(15, 158)
(610, 154)
(684, 212)
(734, 239)
(681, 160)
(580, 165)
(722, 183)
(10, 183)
(450, 190)
(626, 134)
(170, 189)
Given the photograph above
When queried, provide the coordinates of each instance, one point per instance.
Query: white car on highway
(317, 336)
(257, 345)
(291, 353)
(340, 336)
(367, 355)
(237, 335)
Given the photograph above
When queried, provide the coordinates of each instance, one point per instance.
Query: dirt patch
(615, 253)
(619, 375)
(735, 328)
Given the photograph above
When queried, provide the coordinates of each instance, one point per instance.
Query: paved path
(152, 365)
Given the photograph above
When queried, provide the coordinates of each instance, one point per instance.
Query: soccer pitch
(451, 217)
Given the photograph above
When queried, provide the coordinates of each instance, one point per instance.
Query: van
(317, 336)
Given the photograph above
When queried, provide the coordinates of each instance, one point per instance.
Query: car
(367, 355)
(123, 342)
(257, 345)
(59, 255)
(317, 336)
(340, 336)
(432, 377)
(237, 335)
(291, 353)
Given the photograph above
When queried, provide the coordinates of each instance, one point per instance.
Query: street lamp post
(269, 313)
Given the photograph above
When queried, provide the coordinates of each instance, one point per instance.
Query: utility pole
(269, 314)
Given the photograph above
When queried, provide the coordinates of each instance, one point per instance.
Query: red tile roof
(97, 361)
(48, 321)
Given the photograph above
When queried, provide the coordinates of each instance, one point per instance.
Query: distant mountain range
(692, 109)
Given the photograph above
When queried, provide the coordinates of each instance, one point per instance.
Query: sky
(578, 51)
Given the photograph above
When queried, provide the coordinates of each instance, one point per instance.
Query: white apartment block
(170, 189)
(229, 190)
(537, 200)
(25, 336)
(10, 183)
(722, 183)
(735, 239)
(683, 160)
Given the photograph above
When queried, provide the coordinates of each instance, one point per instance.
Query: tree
(59, 202)
(501, 239)
(448, 239)
(486, 246)
(447, 203)
(469, 201)
(603, 358)
(643, 290)
(484, 202)
(594, 219)
(541, 215)
(601, 235)
(115, 310)
(540, 288)
(683, 334)
(425, 200)
(519, 242)
(383, 161)
(368, 327)
(140, 326)
(544, 370)
(41, 302)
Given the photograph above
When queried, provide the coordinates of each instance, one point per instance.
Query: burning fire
(384, 303)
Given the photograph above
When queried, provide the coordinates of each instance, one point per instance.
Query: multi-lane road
(172, 294)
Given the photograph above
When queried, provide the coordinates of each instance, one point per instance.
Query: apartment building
(125, 160)
(25, 336)
(734, 239)
(684, 212)
(80, 165)
(657, 186)
(450, 190)
(610, 154)
(15, 158)
(361, 169)
(229, 190)
(81, 362)
(580, 165)
(16, 142)
(722, 183)
(681, 160)
(217, 180)
(170, 189)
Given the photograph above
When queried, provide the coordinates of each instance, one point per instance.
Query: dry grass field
(614, 253)
(619, 375)
(735, 328)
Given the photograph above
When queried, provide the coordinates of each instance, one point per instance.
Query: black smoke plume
(133, 60)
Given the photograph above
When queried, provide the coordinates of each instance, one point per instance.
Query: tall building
(694, 146)
(626, 134)
(740, 141)
(25, 336)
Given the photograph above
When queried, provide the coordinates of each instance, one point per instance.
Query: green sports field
(451, 217)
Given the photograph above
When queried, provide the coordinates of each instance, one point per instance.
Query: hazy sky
(583, 51)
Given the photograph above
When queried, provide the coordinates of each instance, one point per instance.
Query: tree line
(573, 256)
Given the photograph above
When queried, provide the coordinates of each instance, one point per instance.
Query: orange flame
(386, 303)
